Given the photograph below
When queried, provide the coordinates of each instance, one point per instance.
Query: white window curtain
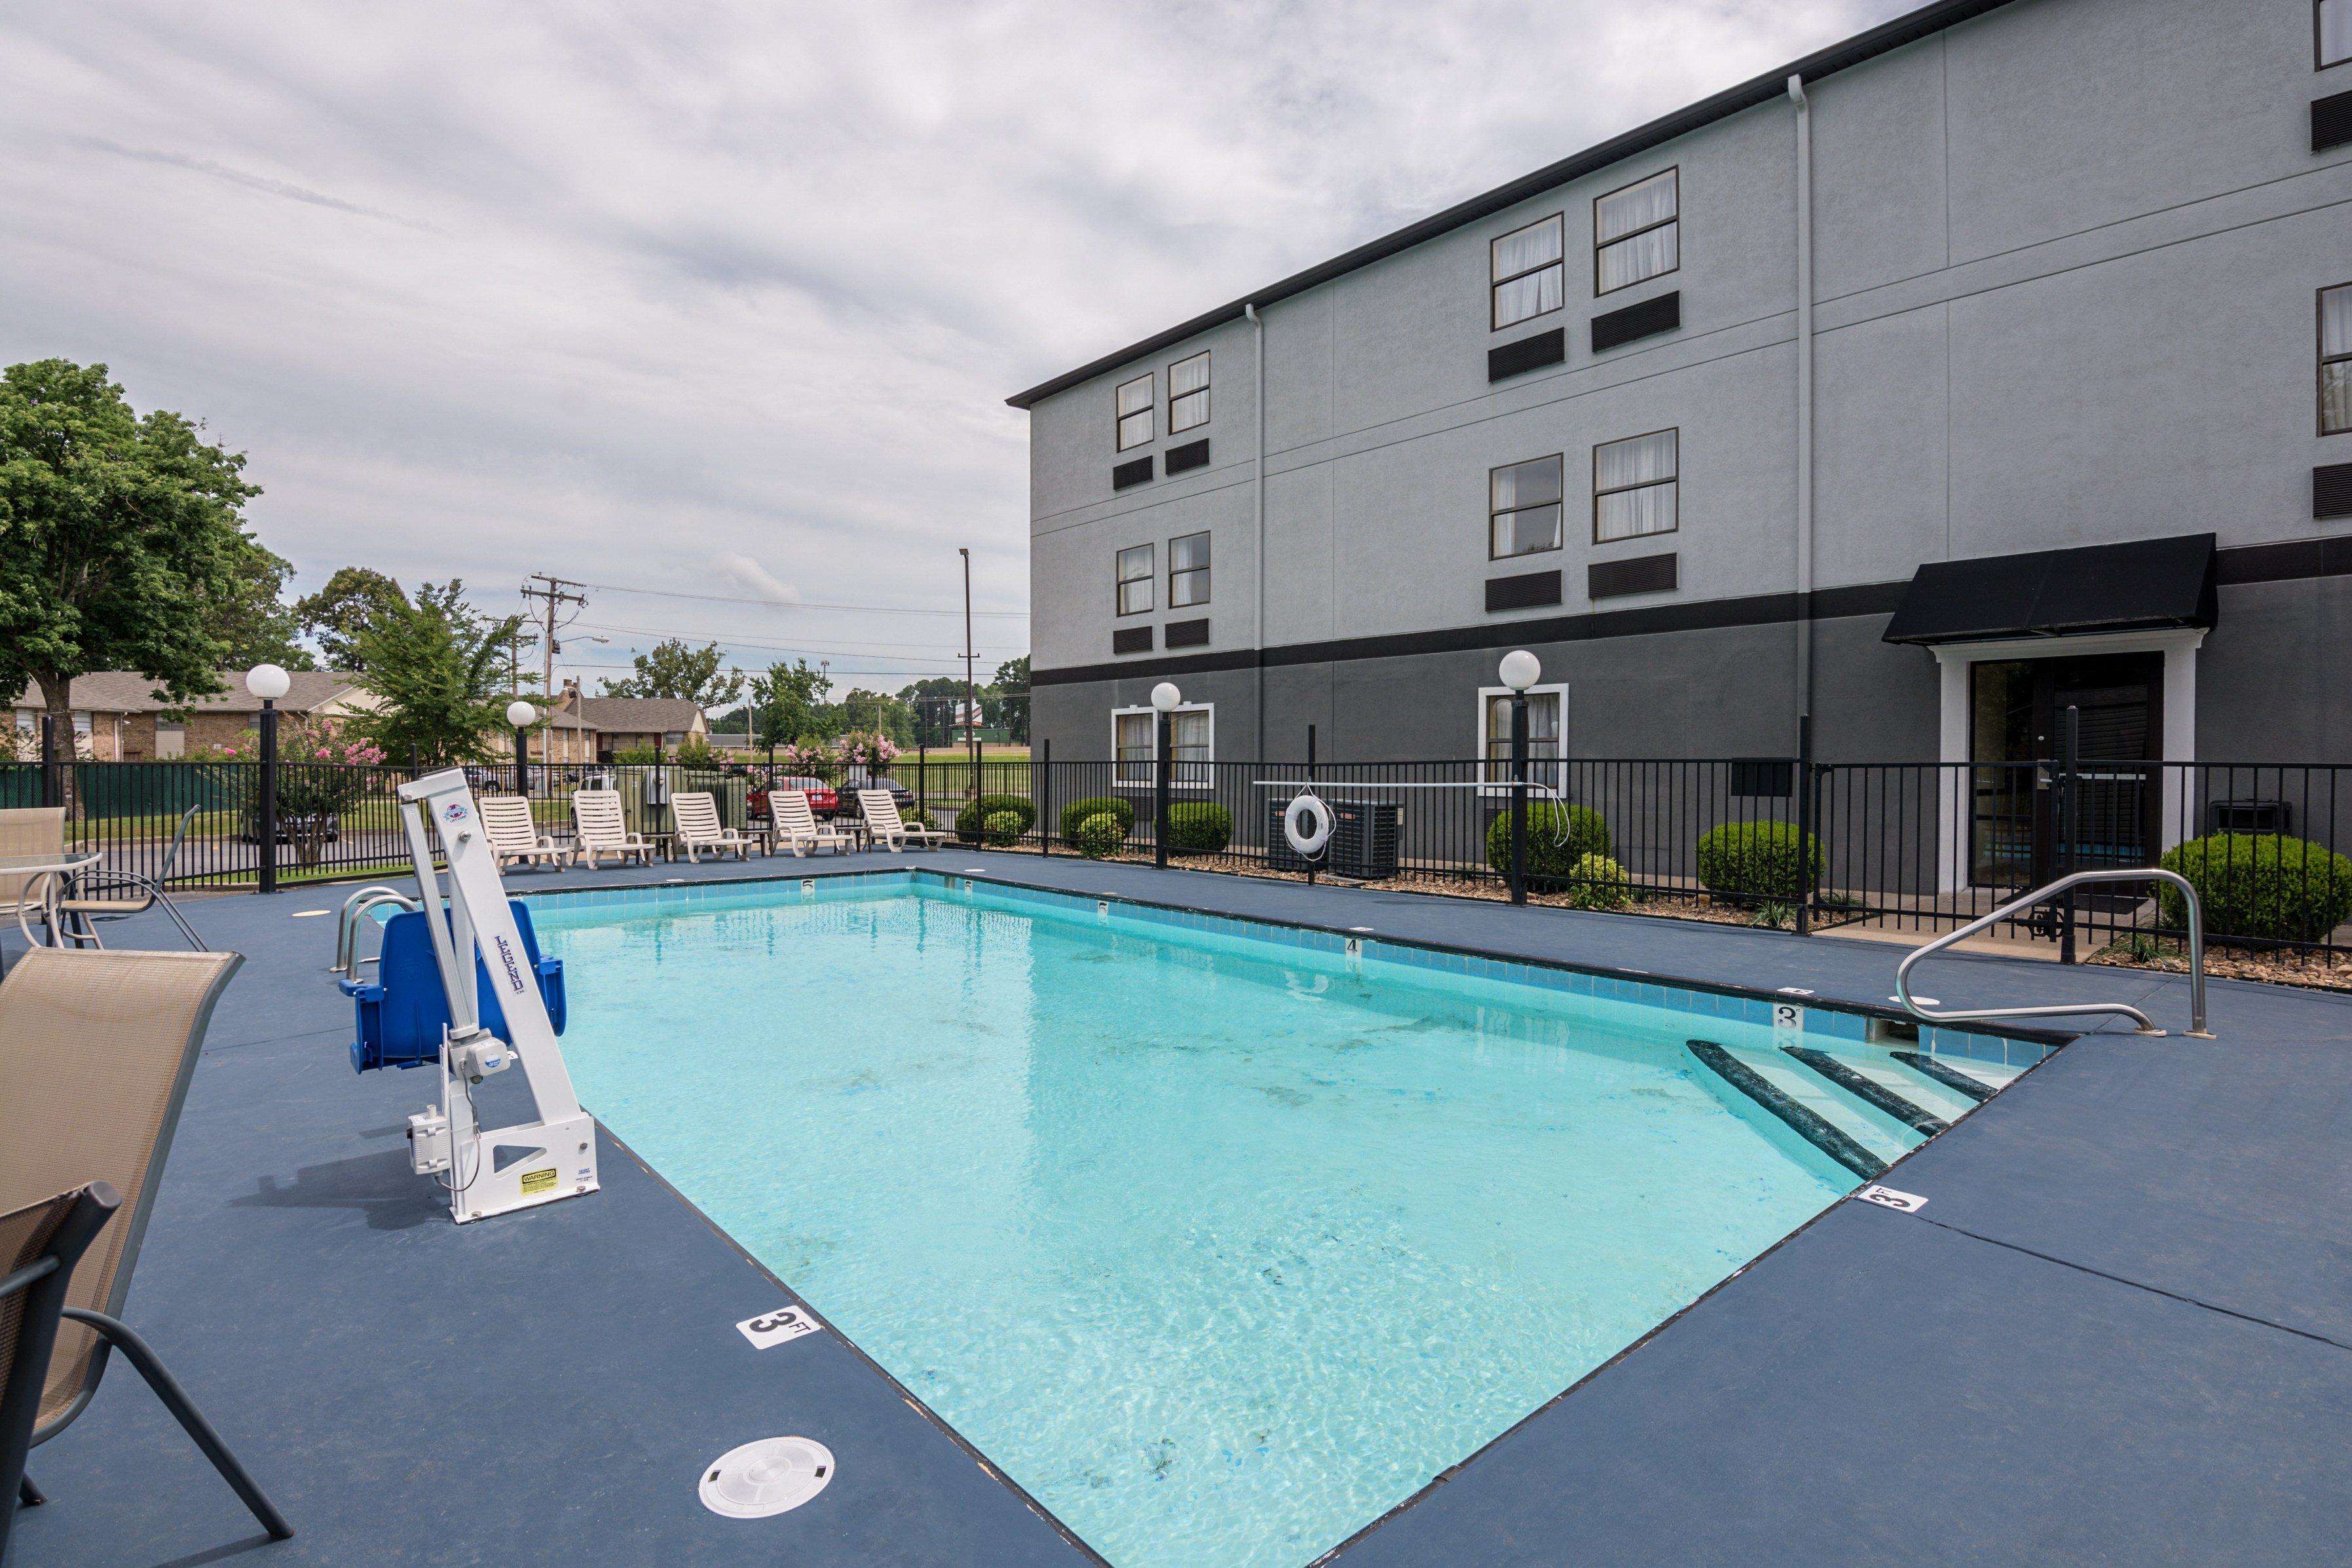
(1134, 739)
(1188, 392)
(1135, 580)
(1188, 570)
(1543, 736)
(1523, 506)
(2335, 32)
(1633, 484)
(1135, 413)
(1527, 273)
(2336, 360)
(1637, 232)
(1188, 751)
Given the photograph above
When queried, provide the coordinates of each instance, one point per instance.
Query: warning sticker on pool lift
(538, 1181)
(775, 1328)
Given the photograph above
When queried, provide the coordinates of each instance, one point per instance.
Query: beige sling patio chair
(697, 811)
(28, 830)
(601, 829)
(96, 1051)
(797, 826)
(514, 833)
(112, 894)
(882, 820)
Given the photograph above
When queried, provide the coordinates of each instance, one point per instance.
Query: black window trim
(1561, 458)
(1119, 599)
(1599, 244)
(2319, 305)
(1187, 571)
(1495, 284)
(2320, 40)
(1676, 480)
(1203, 395)
(1117, 436)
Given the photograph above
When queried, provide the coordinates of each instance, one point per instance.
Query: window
(1634, 486)
(1546, 710)
(1135, 413)
(1526, 270)
(1523, 508)
(2335, 359)
(170, 738)
(1188, 392)
(1634, 233)
(2335, 26)
(1188, 570)
(1135, 580)
(1191, 749)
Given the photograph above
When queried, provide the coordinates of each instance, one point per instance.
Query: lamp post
(269, 683)
(1164, 699)
(523, 716)
(1520, 672)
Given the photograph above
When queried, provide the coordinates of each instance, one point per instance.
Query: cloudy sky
(724, 300)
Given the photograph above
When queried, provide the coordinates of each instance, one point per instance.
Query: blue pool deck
(2120, 1330)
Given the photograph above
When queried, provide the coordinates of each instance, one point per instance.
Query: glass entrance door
(2016, 736)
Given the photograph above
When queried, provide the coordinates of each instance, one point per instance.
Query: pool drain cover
(770, 1476)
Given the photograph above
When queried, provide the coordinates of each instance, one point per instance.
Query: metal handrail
(347, 924)
(2146, 1024)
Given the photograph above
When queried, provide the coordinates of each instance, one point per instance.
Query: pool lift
(509, 1008)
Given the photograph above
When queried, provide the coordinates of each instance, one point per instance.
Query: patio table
(52, 873)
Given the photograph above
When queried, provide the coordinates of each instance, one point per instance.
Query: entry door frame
(1954, 662)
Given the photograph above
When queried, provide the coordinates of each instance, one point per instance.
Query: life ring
(1310, 844)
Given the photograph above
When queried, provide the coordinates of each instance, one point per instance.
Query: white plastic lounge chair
(697, 811)
(797, 826)
(603, 830)
(515, 834)
(882, 820)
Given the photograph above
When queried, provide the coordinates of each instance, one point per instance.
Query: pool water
(1218, 1247)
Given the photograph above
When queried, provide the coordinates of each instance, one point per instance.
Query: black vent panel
(1527, 354)
(1188, 634)
(2331, 122)
(1649, 318)
(1185, 459)
(1135, 473)
(1131, 639)
(1643, 575)
(2331, 491)
(1523, 593)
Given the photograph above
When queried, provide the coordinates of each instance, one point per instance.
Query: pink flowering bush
(869, 750)
(323, 771)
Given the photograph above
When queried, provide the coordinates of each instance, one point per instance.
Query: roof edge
(1884, 39)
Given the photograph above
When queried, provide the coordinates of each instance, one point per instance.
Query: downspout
(1804, 398)
(1257, 630)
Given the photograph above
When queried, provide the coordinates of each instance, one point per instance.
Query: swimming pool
(1219, 1239)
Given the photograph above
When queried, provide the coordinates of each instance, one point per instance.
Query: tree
(254, 624)
(935, 701)
(879, 713)
(120, 535)
(435, 665)
(788, 705)
(1012, 687)
(337, 615)
(671, 669)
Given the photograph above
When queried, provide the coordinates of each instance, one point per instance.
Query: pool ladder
(347, 925)
(2040, 895)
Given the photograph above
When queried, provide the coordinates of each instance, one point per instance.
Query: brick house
(118, 717)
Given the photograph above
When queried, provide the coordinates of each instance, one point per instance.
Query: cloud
(761, 582)
(631, 295)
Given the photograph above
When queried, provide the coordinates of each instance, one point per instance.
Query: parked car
(900, 792)
(323, 829)
(823, 802)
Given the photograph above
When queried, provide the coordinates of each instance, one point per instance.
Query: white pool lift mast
(497, 1170)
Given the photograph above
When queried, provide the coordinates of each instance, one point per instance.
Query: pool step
(1950, 1076)
(1870, 1090)
(1806, 1122)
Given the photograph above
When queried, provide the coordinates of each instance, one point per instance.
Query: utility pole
(970, 702)
(552, 598)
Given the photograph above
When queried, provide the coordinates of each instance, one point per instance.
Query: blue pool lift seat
(401, 1012)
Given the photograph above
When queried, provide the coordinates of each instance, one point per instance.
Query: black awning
(2052, 592)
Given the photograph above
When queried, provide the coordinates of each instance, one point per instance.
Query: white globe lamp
(1165, 697)
(1520, 670)
(521, 714)
(268, 682)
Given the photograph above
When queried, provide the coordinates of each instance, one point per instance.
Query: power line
(850, 646)
(555, 596)
(795, 604)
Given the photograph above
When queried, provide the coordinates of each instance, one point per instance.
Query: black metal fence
(1774, 840)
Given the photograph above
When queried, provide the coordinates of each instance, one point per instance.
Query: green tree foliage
(673, 668)
(1012, 687)
(341, 611)
(120, 535)
(879, 713)
(788, 705)
(436, 664)
(253, 622)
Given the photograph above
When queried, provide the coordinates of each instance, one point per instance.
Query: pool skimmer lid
(774, 1475)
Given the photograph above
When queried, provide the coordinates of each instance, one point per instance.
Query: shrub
(1558, 838)
(2260, 885)
(1199, 828)
(1002, 829)
(1599, 883)
(917, 816)
(1760, 860)
(1098, 836)
(1077, 811)
(978, 819)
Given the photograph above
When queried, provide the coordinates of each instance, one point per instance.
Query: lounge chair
(603, 830)
(96, 1052)
(515, 834)
(882, 820)
(797, 826)
(108, 894)
(29, 830)
(697, 811)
